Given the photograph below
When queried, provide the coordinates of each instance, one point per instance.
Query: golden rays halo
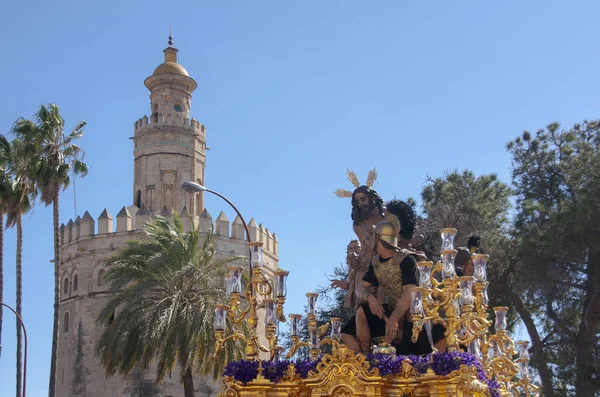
(351, 175)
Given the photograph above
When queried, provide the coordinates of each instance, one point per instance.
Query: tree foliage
(556, 174)
(164, 289)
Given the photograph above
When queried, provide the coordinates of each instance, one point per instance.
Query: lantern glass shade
(524, 369)
(295, 323)
(448, 235)
(257, 255)
(336, 328)
(416, 304)
(312, 302)
(500, 318)
(486, 298)
(522, 349)
(234, 280)
(448, 270)
(466, 291)
(220, 321)
(314, 340)
(281, 281)
(473, 348)
(480, 267)
(270, 317)
(425, 274)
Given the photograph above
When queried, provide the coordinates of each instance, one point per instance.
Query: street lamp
(25, 358)
(193, 187)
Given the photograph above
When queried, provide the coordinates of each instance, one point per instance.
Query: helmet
(388, 233)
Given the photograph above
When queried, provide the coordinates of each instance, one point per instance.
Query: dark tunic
(404, 345)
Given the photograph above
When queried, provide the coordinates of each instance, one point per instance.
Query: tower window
(75, 282)
(66, 322)
(101, 278)
(178, 108)
(66, 286)
(138, 199)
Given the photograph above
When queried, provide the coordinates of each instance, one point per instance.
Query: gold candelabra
(260, 293)
(460, 304)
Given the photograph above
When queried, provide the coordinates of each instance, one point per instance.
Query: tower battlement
(133, 218)
(146, 123)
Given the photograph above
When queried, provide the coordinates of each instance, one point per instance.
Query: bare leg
(363, 333)
(350, 342)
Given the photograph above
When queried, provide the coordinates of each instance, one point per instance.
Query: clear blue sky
(292, 94)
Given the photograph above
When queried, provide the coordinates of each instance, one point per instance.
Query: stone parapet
(131, 218)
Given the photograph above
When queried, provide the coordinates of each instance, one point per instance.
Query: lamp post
(25, 358)
(192, 187)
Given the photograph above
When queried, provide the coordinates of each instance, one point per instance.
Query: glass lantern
(486, 299)
(416, 304)
(281, 287)
(425, 274)
(448, 238)
(314, 339)
(473, 348)
(257, 255)
(500, 318)
(220, 321)
(312, 302)
(522, 349)
(480, 267)
(336, 328)
(448, 270)
(466, 291)
(234, 280)
(295, 324)
(270, 317)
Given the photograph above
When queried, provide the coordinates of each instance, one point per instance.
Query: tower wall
(84, 293)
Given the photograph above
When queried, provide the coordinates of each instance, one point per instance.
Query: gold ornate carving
(344, 373)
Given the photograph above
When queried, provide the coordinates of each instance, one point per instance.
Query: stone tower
(169, 147)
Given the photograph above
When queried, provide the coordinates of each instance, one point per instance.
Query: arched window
(66, 286)
(101, 278)
(75, 282)
(168, 198)
(138, 199)
(66, 322)
(178, 108)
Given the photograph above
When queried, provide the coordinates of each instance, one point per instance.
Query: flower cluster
(275, 370)
(440, 363)
(243, 370)
(303, 366)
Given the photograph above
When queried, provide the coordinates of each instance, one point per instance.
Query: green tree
(57, 155)
(5, 189)
(481, 205)
(556, 174)
(18, 157)
(165, 288)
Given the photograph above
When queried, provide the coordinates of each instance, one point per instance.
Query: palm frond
(165, 288)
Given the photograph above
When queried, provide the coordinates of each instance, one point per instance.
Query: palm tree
(57, 156)
(18, 156)
(166, 286)
(4, 194)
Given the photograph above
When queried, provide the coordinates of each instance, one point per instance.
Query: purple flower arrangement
(275, 370)
(441, 364)
(245, 370)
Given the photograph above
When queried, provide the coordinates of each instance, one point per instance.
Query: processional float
(477, 363)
